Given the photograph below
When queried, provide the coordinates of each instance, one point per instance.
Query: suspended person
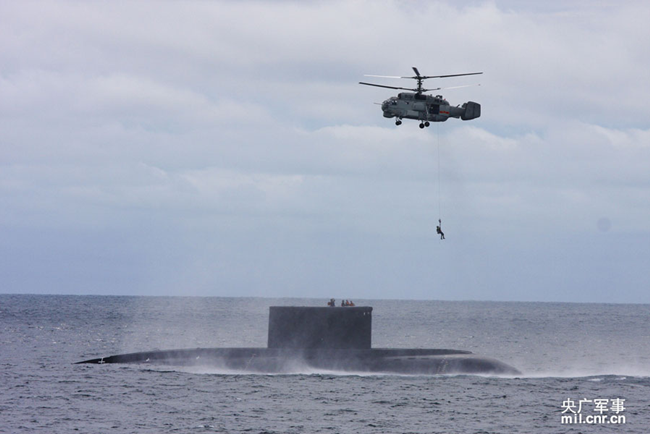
(439, 231)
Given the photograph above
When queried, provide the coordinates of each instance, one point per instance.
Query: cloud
(235, 133)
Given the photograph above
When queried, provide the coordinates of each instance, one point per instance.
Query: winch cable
(439, 188)
(439, 226)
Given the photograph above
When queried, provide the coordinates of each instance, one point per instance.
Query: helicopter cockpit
(392, 101)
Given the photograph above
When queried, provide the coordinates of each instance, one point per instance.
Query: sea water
(587, 362)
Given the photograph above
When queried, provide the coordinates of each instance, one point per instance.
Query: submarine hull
(304, 338)
(282, 360)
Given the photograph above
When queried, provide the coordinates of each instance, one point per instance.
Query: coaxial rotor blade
(422, 77)
(449, 75)
(382, 76)
(458, 87)
(450, 87)
(387, 87)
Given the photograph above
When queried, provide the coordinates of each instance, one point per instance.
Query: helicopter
(425, 108)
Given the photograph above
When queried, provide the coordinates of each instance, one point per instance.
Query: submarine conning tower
(306, 327)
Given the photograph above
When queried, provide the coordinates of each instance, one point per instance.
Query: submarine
(321, 338)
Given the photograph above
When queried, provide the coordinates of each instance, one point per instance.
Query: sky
(226, 149)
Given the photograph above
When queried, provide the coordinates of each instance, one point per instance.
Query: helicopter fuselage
(425, 108)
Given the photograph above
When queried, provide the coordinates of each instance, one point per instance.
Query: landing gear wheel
(422, 126)
(426, 124)
(398, 122)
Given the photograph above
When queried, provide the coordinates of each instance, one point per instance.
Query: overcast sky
(226, 149)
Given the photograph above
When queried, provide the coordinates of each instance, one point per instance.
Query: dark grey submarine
(322, 338)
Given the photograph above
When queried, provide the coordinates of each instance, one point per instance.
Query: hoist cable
(439, 188)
